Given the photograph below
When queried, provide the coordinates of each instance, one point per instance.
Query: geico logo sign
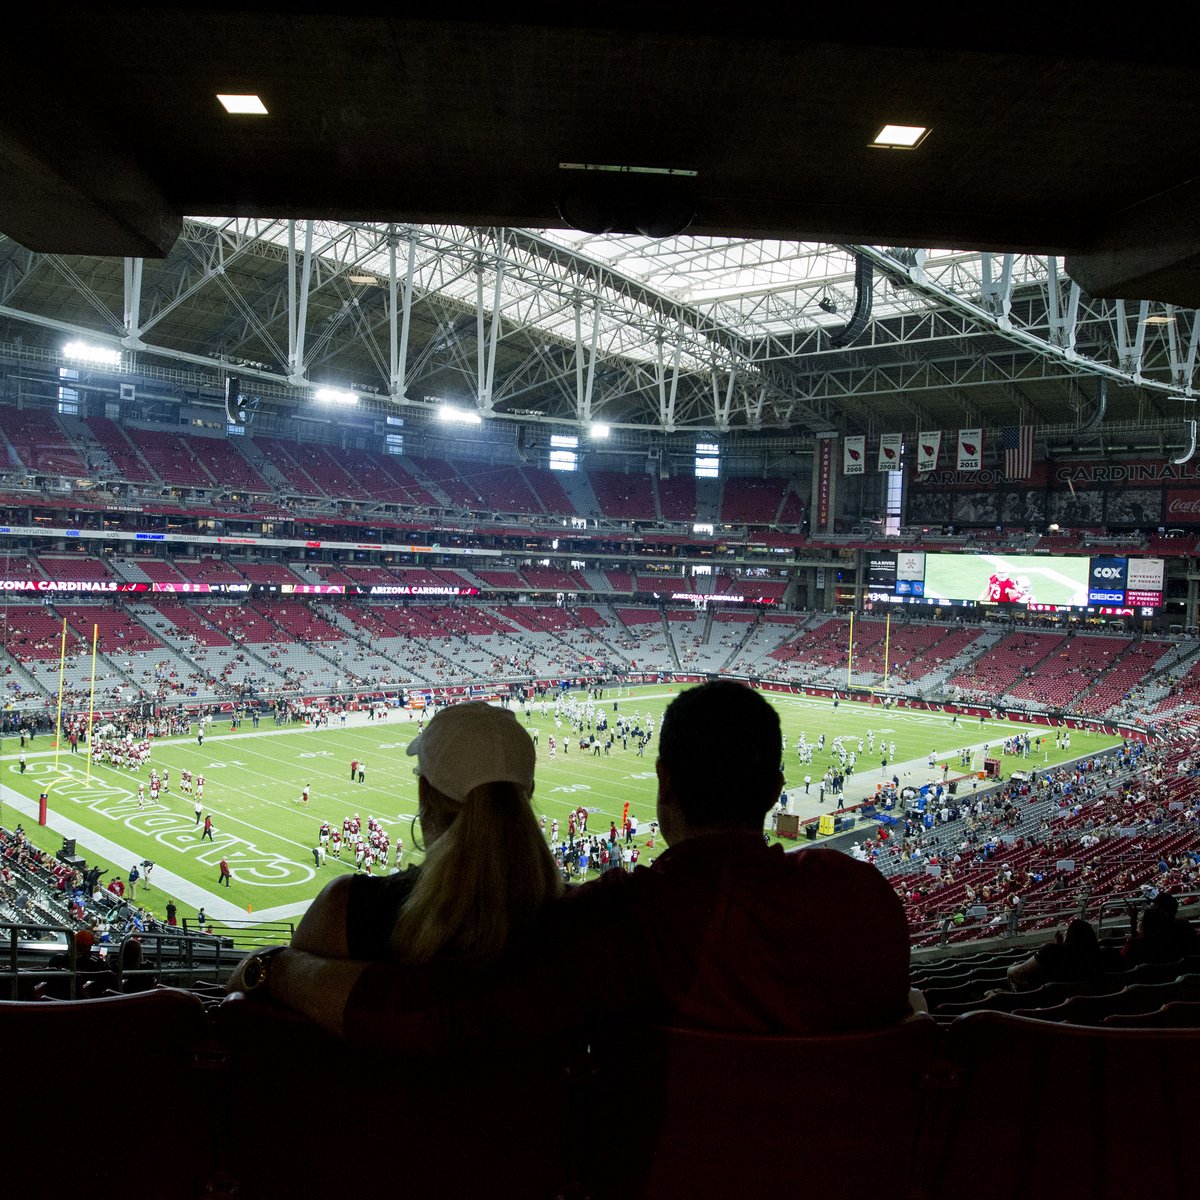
(1107, 573)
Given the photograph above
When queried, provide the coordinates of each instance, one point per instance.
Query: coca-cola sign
(1183, 506)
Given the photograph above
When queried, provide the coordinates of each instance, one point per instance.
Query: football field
(254, 779)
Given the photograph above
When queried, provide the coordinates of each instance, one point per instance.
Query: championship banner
(889, 451)
(854, 455)
(970, 449)
(929, 445)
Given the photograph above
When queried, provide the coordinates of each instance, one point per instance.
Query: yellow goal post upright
(887, 656)
(62, 667)
(92, 702)
(850, 651)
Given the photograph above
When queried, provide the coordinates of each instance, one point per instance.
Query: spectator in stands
(706, 937)
(1073, 956)
(487, 873)
(1159, 937)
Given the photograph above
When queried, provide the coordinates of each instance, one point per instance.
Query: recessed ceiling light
(243, 106)
(900, 137)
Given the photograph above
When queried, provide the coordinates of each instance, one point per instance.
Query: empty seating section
(918, 650)
(758, 587)
(41, 444)
(159, 571)
(460, 490)
(332, 470)
(548, 488)
(623, 497)
(551, 579)
(112, 440)
(279, 454)
(331, 574)
(747, 501)
(620, 581)
(504, 489)
(228, 467)
(829, 645)
(662, 583)
(267, 573)
(18, 566)
(377, 576)
(638, 616)
(1070, 670)
(81, 568)
(185, 622)
(677, 498)
(1139, 661)
(509, 581)
(408, 489)
(119, 632)
(208, 570)
(171, 458)
(35, 634)
(990, 676)
(792, 512)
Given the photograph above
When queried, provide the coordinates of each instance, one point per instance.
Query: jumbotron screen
(1007, 579)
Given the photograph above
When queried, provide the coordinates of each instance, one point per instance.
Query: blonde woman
(487, 871)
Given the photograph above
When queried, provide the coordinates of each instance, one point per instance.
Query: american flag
(1017, 443)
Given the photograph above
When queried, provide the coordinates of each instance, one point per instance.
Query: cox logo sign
(1107, 573)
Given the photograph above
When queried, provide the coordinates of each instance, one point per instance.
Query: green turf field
(254, 780)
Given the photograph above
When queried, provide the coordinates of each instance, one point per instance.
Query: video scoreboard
(1041, 582)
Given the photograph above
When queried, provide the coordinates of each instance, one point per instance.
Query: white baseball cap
(470, 744)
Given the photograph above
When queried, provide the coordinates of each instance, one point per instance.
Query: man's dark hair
(721, 744)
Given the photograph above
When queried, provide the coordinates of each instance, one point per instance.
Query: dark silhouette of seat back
(721, 1116)
(1057, 1110)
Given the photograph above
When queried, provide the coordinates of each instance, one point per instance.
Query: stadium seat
(1042, 1109)
(307, 1116)
(139, 1050)
(707, 1115)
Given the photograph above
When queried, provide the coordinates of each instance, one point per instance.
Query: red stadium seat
(139, 1051)
(308, 1116)
(1042, 1109)
(708, 1115)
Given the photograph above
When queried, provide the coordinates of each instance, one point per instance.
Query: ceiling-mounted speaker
(235, 407)
(656, 206)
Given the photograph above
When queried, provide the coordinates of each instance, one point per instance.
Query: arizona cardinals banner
(970, 449)
(889, 452)
(928, 447)
(854, 455)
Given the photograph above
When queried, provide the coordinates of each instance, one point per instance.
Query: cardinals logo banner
(928, 447)
(889, 452)
(854, 455)
(970, 449)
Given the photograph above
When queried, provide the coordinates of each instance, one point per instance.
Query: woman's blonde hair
(484, 878)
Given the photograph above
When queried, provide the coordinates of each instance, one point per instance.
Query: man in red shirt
(116, 886)
(720, 932)
(224, 877)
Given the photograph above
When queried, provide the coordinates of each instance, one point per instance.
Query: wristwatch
(257, 969)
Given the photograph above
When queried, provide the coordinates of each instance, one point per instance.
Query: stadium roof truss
(673, 335)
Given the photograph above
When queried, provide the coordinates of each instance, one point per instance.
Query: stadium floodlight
(458, 416)
(82, 352)
(242, 105)
(900, 137)
(599, 430)
(335, 396)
